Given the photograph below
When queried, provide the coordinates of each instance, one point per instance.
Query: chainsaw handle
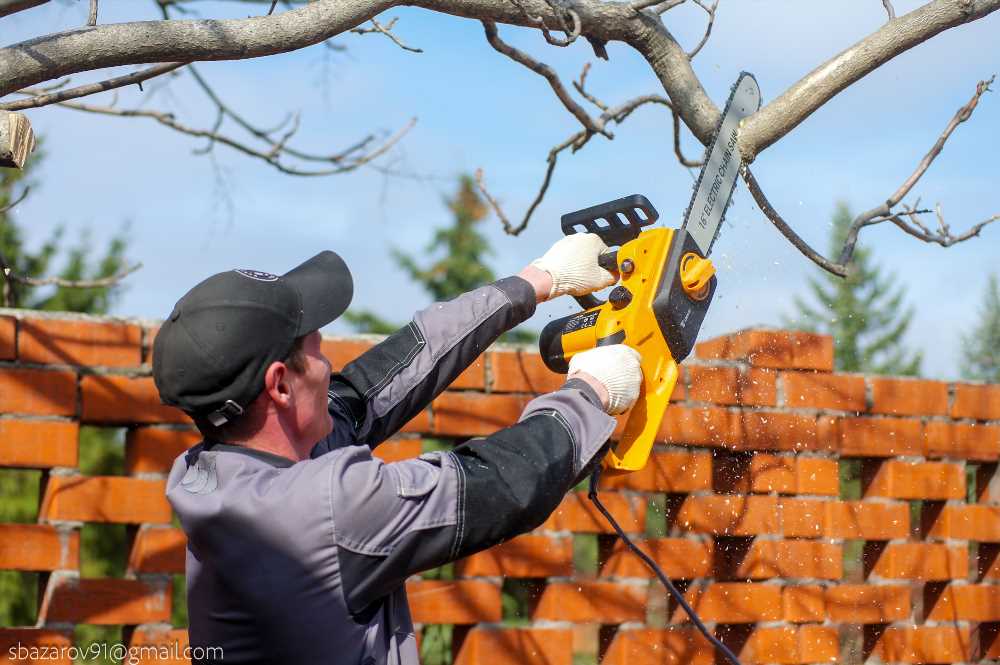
(608, 261)
(622, 219)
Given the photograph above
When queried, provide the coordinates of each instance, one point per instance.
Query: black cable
(592, 494)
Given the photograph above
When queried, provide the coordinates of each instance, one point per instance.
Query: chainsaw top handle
(615, 222)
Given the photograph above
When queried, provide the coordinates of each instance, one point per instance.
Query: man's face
(311, 417)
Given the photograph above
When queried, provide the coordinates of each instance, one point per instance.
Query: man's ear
(276, 384)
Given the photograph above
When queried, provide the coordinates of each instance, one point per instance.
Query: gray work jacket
(305, 562)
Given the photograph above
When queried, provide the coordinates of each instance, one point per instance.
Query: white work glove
(616, 367)
(572, 263)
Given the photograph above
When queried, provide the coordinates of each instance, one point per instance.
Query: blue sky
(192, 216)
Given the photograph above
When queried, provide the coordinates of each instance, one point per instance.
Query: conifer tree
(864, 312)
(981, 347)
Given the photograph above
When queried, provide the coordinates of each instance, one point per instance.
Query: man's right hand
(572, 263)
(614, 373)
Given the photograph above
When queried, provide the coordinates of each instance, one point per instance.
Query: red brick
(725, 602)
(865, 521)
(926, 562)
(857, 603)
(981, 402)
(106, 601)
(399, 449)
(522, 372)
(513, 646)
(791, 645)
(802, 604)
(169, 642)
(671, 646)
(878, 437)
(772, 348)
(730, 386)
(16, 646)
(341, 351)
(591, 602)
(74, 342)
(698, 427)
(38, 547)
(158, 551)
(966, 602)
(525, 556)
(792, 559)
(578, 514)
(125, 399)
(453, 601)
(729, 515)
(8, 331)
(775, 431)
(473, 414)
(909, 397)
(472, 377)
(680, 559)
(154, 449)
(803, 518)
(972, 442)
(817, 475)
(972, 522)
(38, 443)
(815, 390)
(418, 424)
(38, 392)
(917, 480)
(105, 499)
(924, 644)
(674, 471)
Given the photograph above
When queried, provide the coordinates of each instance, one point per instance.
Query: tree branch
(8, 7)
(71, 283)
(710, 10)
(92, 16)
(44, 99)
(387, 31)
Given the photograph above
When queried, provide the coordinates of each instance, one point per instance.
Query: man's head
(243, 336)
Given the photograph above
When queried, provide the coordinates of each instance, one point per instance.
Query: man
(299, 540)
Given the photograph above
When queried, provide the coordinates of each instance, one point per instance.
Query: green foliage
(981, 347)
(864, 312)
(460, 267)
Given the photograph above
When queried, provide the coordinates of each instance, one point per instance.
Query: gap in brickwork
(851, 639)
(585, 554)
(102, 451)
(18, 598)
(19, 492)
(178, 604)
(519, 597)
(103, 550)
(987, 484)
(95, 643)
(656, 516)
(853, 551)
(436, 644)
(850, 479)
(916, 519)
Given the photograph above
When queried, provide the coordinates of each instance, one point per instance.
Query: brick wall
(741, 505)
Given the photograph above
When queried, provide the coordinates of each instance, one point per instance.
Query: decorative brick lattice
(743, 504)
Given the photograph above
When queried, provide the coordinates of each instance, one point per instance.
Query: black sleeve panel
(514, 479)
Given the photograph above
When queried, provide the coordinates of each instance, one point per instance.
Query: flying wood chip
(16, 139)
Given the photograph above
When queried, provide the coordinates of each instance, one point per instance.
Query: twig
(10, 206)
(89, 89)
(581, 88)
(274, 3)
(71, 283)
(888, 9)
(387, 31)
(708, 29)
(545, 71)
(578, 140)
(665, 5)
(92, 17)
(690, 163)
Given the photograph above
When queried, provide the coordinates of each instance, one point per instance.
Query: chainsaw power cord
(664, 580)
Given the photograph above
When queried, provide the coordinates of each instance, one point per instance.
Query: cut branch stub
(17, 139)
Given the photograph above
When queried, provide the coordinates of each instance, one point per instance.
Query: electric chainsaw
(667, 282)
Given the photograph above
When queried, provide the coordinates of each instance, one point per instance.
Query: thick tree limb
(13, 6)
(44, 99)
(797, 103)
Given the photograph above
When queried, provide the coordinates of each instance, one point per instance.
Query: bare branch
(8, 7)
(690, 163)
(571, 33)
(386, 30)
(888, 9)
(581, 88)
(963, 114)
(660, 5)
(71, 283)
(10, 206)
(89, 89)
(92, 17)
(545, 71)
(270, 10)
(710, 10)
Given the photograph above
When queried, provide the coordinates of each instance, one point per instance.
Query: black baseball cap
(212, 352)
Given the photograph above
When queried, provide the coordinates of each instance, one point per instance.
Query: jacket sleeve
(394, 520)
(390, 383)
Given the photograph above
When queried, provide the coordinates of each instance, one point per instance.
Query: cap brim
(326, 287)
